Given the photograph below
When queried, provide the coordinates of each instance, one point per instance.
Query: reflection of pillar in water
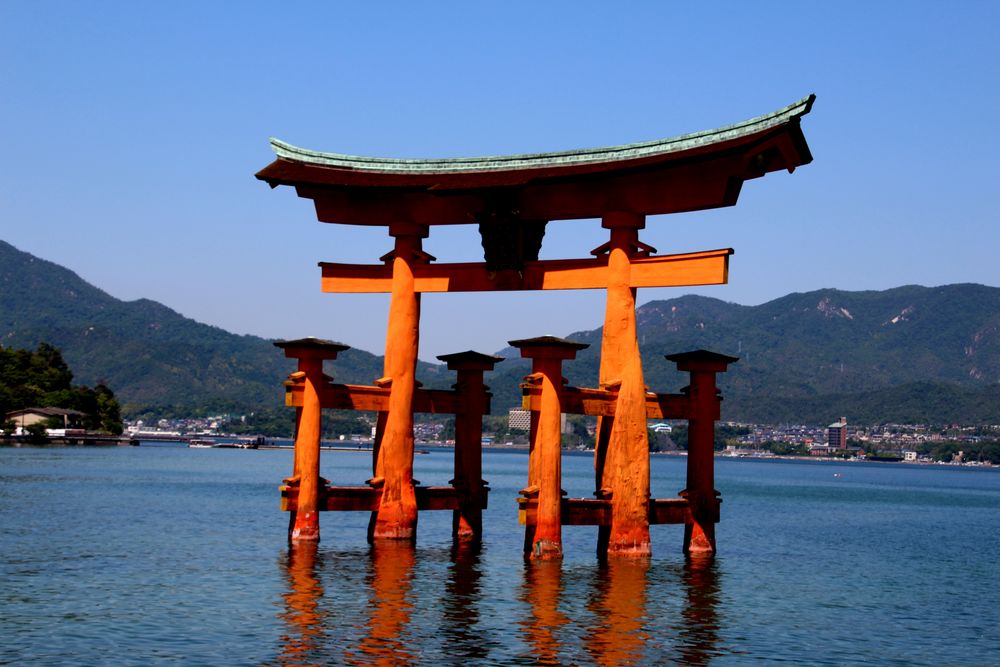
(542, 588)
(464, 640)
(619, 604)
(302, 614)
(390, 608)
(700, 631)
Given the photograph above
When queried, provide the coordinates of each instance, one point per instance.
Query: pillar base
(394, 522)
(305, 528)
(626, 548)
(546, 550)
(699, 541)
(465, 531)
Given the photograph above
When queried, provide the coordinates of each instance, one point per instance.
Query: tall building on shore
(836, 434)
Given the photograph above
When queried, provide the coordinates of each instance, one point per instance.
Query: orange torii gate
(511, 199)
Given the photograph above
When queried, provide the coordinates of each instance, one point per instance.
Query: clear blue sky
(131, 132)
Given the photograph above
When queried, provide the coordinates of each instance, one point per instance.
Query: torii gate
(511, 199)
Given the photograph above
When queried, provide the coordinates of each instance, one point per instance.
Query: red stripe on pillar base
(699, 540)
(396, 521)
(632, 544)
(306, 527)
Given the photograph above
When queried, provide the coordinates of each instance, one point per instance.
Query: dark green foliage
(41, 379)
(36, 433)
(786, 448)
(986, 451)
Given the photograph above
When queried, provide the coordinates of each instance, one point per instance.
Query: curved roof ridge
(630, 151)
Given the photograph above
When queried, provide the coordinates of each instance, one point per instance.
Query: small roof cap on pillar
(548, 346)
(326, 349)
(470, 360)
(702, 360)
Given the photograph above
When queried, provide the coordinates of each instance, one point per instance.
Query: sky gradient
(132, 132)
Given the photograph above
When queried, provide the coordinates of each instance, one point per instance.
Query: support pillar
(467, 521)
(703, 499)
(311, 352)
(543, 541)
(621, 455)
(397, 514)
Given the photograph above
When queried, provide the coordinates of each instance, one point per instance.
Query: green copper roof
(542, 160)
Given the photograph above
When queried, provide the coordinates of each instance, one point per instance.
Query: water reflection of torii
(512, 198)
(618, 592)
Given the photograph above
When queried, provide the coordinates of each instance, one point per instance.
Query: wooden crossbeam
(710, 267)
(376, 399)
(367, 499)
(602, 402)
(597, 511)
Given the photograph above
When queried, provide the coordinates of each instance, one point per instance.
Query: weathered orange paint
(545, 458)
(310, 352)
(375, 399)
(710, 267)
(397, 514)
(548, 528)
(703, 499)
(622, 452)
(306, 526)
(603, 402)
(467, 521)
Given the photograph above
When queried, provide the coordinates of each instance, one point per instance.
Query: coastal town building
(29, 416)
(836, 434)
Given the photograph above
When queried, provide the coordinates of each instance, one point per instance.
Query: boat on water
(201, 443)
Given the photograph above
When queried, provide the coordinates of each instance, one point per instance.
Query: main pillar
(621, 456)
(310, 352)
(467, 522)
(544, 539)
(397, 512)
(703, 499)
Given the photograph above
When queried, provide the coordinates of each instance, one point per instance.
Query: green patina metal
(626, 152)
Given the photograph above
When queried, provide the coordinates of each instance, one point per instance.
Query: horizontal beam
(376, 399)
(367, 499)
(710, 267)
(603, 402)
(597, 511)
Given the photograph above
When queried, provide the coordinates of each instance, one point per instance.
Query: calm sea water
(160, 555)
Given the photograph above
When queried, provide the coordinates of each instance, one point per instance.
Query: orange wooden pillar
(621, 456)
(397, 513)
(467, 523)
(303, 522)
(543, 541)
(703, 499)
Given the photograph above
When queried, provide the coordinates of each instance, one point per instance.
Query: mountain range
(911, 354)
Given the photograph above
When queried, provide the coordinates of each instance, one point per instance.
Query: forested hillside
(909, 354)
(150, 354)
